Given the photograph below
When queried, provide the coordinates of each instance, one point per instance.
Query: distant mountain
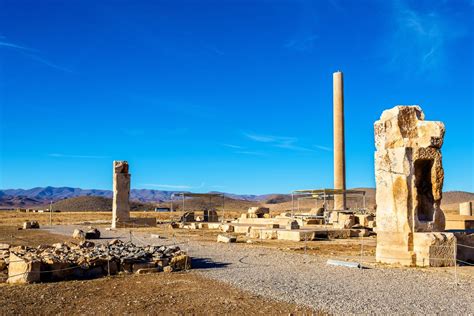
(43, 195)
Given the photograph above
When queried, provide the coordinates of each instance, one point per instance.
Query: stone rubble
(63, 261)
(31, 225)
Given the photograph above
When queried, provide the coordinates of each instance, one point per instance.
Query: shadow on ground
(207, 263)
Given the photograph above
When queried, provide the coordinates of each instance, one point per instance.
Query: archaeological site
(268, 157)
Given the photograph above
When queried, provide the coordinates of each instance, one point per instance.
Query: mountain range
(43, 195)
(11, 198)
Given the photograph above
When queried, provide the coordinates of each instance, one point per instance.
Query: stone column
(121, 191)
(339, 150)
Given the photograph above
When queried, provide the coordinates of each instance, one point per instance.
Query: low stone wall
(85, 260)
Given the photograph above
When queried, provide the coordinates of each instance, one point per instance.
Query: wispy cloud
(56, 155)
(419, 39)
(251, 153)
(323, 147)
(284, 142)
(232, 146)
(31, 53)
(303, 44)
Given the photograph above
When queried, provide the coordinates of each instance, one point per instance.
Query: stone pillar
(409, 181)
(121, 191)
(339, 150)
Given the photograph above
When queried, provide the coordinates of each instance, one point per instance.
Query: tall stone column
(121, 191)
(339, 150)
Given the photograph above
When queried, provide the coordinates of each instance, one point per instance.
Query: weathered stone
(181, 262)
(92, 233)
(148, 270)
(409, 178)
(466, 208)
(31, 225)
(344, 220)
(227, 228)
(142, 265)
(168, 269)
(4, 246)
(226, 239)
(258, 211)
(121, 193)
(78, 234)
(23, 271)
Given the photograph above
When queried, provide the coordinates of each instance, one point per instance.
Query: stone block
(293, 225)
(434, 249)
(465, 208)
(31, 225)
(226, 239)
(241, 229)
(23, 271)
(258, 211)
(4, 246)
(295, 235)
(142, 265)
(226, 228)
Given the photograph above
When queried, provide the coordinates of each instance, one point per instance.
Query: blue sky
(232, 96)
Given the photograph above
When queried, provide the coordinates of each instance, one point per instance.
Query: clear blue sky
(234, 96)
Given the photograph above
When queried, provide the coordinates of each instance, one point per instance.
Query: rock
(258, 212)
(226, 239)
(92, 233)
(23, 271)
(31, 225)
(149, 270)
(168, 269)
(86, 244)
(78, 234)
(187, 217)
(181, 262)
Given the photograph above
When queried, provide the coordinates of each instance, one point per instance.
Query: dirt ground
(161, 293)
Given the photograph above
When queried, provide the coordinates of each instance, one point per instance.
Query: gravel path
(307, 280)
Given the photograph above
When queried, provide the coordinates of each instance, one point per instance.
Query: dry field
(175, 293)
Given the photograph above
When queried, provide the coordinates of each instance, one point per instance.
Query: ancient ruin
(339, 144)
(409, 180)
(121, 200)
(121, 191)
(66, 261)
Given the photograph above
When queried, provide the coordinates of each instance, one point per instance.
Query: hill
(95, 203)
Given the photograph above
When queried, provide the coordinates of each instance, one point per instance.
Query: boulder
(78, 234)
(92, 233)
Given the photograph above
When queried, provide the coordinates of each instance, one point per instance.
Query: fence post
(455, 264)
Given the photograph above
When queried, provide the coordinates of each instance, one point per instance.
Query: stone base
(434, 249)
(416, 249)
(135, 222)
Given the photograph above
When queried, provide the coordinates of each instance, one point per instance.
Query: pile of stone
(66, 261)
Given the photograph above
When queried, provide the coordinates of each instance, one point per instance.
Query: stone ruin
(68, 261)
(409, 181)
(121, 199)
(121, 191)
